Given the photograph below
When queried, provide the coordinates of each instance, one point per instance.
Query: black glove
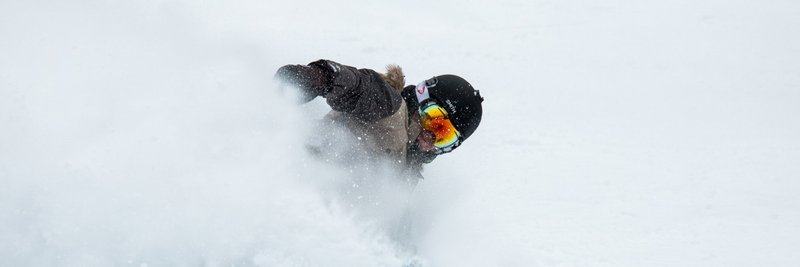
(312, 81)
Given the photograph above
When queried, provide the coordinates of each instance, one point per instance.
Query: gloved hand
(312, 81)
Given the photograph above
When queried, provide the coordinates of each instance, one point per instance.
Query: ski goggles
(434, 118)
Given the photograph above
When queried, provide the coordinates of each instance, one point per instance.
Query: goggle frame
(431, 103)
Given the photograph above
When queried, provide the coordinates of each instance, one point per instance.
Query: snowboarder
(406, 125)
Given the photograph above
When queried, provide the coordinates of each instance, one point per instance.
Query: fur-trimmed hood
(394, 77)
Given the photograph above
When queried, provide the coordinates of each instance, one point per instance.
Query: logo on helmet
(452, 107)
(421, 89)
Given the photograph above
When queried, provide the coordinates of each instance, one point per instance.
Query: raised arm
(361, 93)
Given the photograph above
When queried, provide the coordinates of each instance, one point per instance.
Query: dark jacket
(368, 105)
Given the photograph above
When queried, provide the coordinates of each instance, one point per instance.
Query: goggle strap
(422, 92)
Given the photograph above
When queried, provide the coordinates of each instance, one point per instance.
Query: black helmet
(457, 97)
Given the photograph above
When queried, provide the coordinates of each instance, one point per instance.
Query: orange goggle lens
(434, 118)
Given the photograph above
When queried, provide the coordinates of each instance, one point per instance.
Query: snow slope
(616, 133)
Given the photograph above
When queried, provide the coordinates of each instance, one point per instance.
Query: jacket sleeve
(360, 93)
